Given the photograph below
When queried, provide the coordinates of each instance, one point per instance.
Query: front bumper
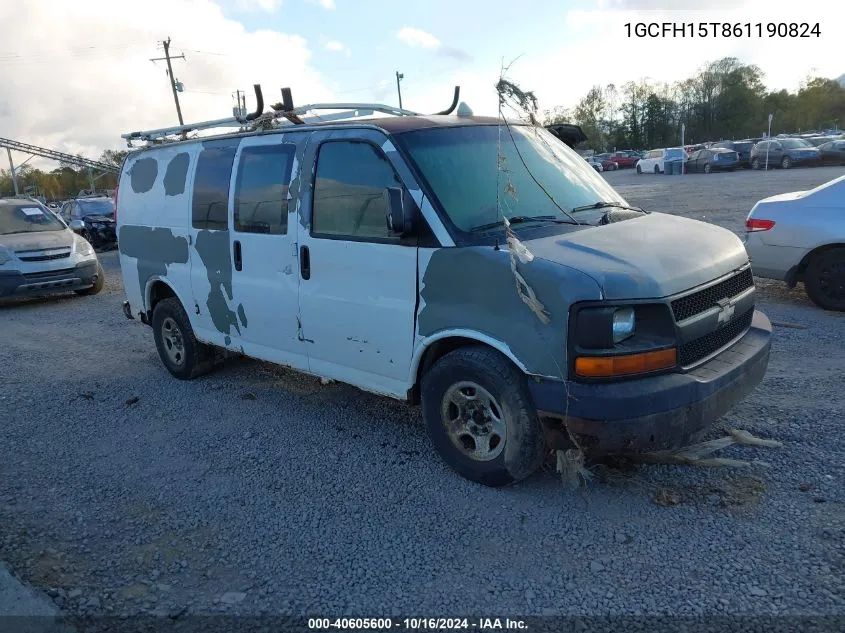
(659, 412)
(14, 284)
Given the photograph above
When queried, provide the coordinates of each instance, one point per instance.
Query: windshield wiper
(519, 219)
(605, 204)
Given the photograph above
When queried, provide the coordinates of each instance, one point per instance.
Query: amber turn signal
(626, 364)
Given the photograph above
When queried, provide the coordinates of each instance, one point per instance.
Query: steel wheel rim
(474, 421)
(707, 169)
(174, 345)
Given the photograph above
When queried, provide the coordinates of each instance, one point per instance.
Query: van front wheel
(480, 418)
(182, 354)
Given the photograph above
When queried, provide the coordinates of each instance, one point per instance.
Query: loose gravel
(255, 490)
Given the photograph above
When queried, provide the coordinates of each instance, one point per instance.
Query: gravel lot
(254, 490)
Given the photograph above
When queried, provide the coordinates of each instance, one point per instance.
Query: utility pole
(12, 169)
(399, 77)
(240, 102)
(167, 58)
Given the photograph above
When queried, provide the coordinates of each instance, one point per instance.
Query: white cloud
(74, 80)
(417, 38)
(259, 5)
(326, 4)
(338, 47)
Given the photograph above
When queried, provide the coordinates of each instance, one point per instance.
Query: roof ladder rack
(287, 115)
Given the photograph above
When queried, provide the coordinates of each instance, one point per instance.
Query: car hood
(37, 240)
(648, 257)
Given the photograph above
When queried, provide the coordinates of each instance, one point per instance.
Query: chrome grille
(698, 302)
(46, 274)
(693, 351)
(43, 258)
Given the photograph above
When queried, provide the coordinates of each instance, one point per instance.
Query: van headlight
(624, 323)
(83, 247)
(601, 328)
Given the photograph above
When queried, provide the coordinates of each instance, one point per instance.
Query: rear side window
(349, 191)
(211, 184)
(261, 189)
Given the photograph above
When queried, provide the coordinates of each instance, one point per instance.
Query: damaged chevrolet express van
(482, 270)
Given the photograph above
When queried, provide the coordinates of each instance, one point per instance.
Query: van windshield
(460, 165)
(27, 218)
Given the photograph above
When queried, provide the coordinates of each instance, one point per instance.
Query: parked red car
(625, 158)
(607, 163)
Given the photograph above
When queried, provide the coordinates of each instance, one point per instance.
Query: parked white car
(799, 236)
(653, 161)
(40, 255)
(595, 163)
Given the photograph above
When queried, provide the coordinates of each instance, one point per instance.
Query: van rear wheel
(480, 417)
(182, 354)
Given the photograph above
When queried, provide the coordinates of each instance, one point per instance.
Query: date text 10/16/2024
(722, 29)
(417, 624)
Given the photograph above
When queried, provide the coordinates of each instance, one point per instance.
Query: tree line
(65, 181)
(725, 99)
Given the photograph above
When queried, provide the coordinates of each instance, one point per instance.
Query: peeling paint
(154, 249)
(214, 250)
(242, 314)
(143, 174)
(472, 288)
(176, 174)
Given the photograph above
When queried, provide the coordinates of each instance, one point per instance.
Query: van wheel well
(802, 267)
(432, 354)
(159, 291)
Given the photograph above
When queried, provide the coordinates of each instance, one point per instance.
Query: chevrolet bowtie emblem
(726, 311)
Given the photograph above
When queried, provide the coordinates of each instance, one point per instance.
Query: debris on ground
(666, 497)
(570, 466)
(249, 396)
(696, 454)
(132, 400)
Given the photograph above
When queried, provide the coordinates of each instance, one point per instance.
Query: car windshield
(795, 143)
(96, 207)
(27, 218)
(535, 171)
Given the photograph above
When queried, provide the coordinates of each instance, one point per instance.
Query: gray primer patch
(214, 250)
(242, 314)
(154, 248)
(474, 288)
(143, 174)
(176, 174)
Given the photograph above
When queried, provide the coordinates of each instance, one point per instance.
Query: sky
(76, 75)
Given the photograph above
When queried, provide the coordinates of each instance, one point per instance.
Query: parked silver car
(40, 255)
(800, 236)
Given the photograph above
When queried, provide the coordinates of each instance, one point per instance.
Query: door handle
(305, 262)
(236, 246)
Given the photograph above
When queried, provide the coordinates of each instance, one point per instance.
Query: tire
(472, 371)
(707, 168)
(639, 170)
(755, 164)
(171, 328)
(98, 285)
(656, 169)
(785, 162)
(824, 279)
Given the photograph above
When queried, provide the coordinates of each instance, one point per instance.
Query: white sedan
(800, 236)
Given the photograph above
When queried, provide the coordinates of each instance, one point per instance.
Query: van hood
(648, 257)
(37, 240)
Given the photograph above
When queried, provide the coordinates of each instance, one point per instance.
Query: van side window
(211, 184)
(261, 189)
(349, 191)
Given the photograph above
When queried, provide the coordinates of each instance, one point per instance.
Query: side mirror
(77, 226)
(401, 211)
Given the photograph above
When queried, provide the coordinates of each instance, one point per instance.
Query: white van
(525, 310)
(653, 161)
